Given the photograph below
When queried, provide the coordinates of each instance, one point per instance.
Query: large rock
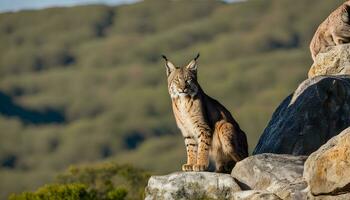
(191, 185)
(327, 171)
(334, 60)
(318, 110)
(279, 174)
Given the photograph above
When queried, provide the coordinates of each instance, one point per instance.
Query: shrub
(110, 181)
(73, 191)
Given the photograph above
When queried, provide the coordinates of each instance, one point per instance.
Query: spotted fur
(206, 125)
(332, 31)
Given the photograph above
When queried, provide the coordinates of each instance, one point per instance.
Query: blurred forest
(86, 84)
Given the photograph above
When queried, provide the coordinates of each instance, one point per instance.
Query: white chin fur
(179, 95)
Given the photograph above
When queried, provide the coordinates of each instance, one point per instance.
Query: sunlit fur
(334, 30)
(206, 125)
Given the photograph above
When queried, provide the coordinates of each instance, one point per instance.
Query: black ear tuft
(196, 56)
(346, 14)
(347, 8)
(164, 57)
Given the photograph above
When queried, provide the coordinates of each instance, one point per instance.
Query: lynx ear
(192, 66)
(345, 15)
(169, 66)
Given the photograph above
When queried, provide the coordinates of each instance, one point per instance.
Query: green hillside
(86, 84)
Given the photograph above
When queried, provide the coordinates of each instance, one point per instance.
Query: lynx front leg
(204, 140)
(191, 148)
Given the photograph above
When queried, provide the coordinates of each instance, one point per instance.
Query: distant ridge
(16, 5)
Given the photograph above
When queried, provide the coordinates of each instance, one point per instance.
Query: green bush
(109, 180)
(117, 194)
(73, 191)
(58, 192)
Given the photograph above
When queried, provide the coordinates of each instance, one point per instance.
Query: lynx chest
(188, 114)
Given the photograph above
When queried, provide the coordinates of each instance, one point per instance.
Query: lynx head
(182, 81)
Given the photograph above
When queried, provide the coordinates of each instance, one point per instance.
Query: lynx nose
(183, 90)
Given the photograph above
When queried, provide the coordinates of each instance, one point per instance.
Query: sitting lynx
(205, 124)
(333, 31)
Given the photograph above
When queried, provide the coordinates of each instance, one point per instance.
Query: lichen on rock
(191, 185)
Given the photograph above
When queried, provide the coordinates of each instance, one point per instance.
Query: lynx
(206, 125)
(333, 31)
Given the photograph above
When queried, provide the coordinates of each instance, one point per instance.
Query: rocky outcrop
(318, 110)
(191, 185)
(335, 60)
(327, 171)
(279, 174)
(266, 176)
(309, 121)
(324, 175)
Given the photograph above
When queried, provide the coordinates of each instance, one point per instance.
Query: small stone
(255, 195)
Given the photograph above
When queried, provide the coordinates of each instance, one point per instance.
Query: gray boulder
(191, 185)
(327, 171)
(279, 174)
(318, 110)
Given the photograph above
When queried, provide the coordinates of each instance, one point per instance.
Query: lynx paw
(220, 169)
(199, 168)
(187, 167)
(223, 169)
